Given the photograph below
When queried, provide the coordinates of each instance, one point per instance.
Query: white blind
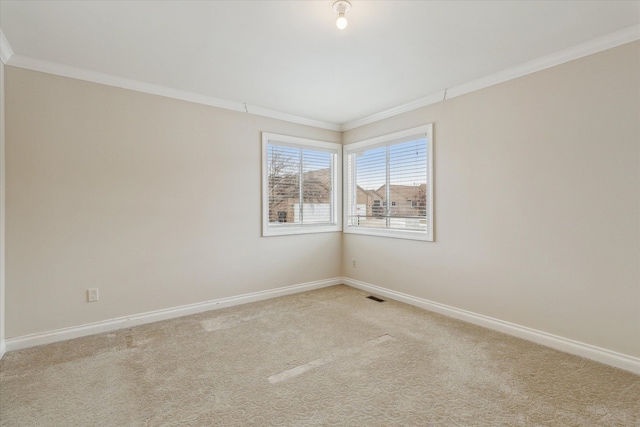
(388, 185)
(300, 185)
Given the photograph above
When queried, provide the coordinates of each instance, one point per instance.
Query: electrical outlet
(92, 295)
(353, 262)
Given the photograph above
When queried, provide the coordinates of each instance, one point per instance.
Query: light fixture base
(341, 6)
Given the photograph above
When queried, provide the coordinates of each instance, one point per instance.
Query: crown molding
(265, 112)
(5, 49)
(49, 67)
(609, 41)
(410, 106)
(599, 44)
(575, 52)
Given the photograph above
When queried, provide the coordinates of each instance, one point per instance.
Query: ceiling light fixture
(341, 7)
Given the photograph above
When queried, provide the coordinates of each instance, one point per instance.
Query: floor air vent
(376, 299)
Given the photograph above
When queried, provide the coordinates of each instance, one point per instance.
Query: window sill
(303, 229)
(396, 234)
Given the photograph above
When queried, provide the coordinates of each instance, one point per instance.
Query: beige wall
(154, 201)
(537, 204)
(157, 203)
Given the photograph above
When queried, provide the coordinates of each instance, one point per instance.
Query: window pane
(408, 185)
(316, 186)
(391, 184)
(284, 184)
(370, 167)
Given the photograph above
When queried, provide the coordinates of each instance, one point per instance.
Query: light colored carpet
(326, 357)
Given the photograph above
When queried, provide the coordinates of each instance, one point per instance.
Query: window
(396, 168)
(300, 185)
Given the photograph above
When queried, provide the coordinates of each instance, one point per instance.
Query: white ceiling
(288, 56)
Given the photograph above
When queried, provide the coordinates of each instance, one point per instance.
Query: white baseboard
(588, 351)
(63, 334)
(602, 355)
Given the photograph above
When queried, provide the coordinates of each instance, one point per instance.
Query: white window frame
(279, 229)
(380, 141)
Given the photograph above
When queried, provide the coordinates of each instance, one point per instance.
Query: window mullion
(332, 196)
(354, 188)
(387, 196)
(301, 186)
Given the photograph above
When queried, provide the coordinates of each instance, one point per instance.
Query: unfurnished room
(315, 213)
